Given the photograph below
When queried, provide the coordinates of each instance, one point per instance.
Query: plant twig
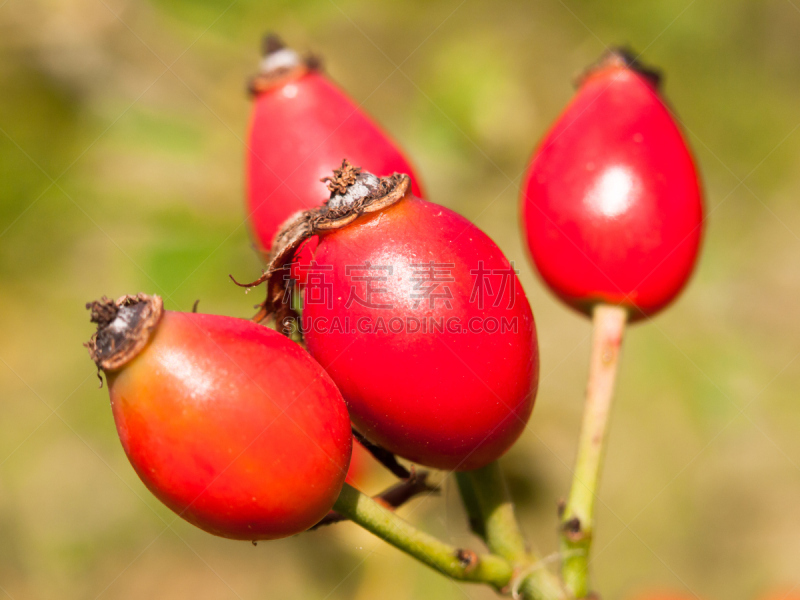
(383, 456)
(458, 563)
(391, 498)
(504, 537)
(577, 521)
(470, 501)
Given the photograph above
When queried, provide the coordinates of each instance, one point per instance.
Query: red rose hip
(361, 465)
(301, 128)
(231, 425)
(418, 318)
(611, 203)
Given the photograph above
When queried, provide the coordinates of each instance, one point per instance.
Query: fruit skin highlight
(451, 398)
(231, 425)
(301, 128)
(611, 203)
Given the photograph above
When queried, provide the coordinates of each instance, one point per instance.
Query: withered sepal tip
(124, 327)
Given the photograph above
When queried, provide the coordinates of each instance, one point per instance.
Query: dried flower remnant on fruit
(343, 177)
(354, 192)
(124, 327)
(279, 63)
(624, 58)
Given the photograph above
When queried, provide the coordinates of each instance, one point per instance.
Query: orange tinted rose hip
(231, 425)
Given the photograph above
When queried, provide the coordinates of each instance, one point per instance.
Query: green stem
(577, 524)
(457, 563)
(503, 535)
(541, 584)
(471, 505)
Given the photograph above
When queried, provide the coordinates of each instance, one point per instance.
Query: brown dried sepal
(124, 327)
(343, 177)
(306, 224)
(264, 81)
(621, 57)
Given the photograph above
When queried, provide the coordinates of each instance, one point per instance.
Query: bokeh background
(121, 165)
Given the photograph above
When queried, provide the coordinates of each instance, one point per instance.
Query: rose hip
(301, 128)
(231, 425)
(419, 319)
(611, 203)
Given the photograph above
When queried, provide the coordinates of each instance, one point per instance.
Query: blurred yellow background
(121, 166)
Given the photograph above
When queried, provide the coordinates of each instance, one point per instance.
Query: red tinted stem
(577, 524)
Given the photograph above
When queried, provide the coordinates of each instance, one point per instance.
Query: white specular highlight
(613, 193)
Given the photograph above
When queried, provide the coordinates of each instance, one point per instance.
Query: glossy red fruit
(611, 203)
(361, 465)
(301, 128)
(422, 323)
(231, 425)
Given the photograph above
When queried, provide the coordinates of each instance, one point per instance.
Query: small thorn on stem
(573, 529)
(467, 558)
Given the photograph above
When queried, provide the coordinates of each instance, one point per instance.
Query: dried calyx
(622, 57)
(353, 193)
(124, 326)
(279, 63)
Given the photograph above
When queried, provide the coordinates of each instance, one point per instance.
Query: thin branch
(577, 521)
(503, 536)
(458, 563)
(471, 505)
(391, 498)
(383, 456)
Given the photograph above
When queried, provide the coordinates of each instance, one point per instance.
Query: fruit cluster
(396, 319)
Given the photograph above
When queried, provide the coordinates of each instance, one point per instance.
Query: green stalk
(504, 537)
(577, 522)
(457, 563)
(470, 501)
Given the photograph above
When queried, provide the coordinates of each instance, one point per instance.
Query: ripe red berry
(611, 203)
(301, 128)
(231, 425)
(361, 465)
(418, 318)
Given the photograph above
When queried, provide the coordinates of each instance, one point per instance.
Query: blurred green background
(121, 165)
